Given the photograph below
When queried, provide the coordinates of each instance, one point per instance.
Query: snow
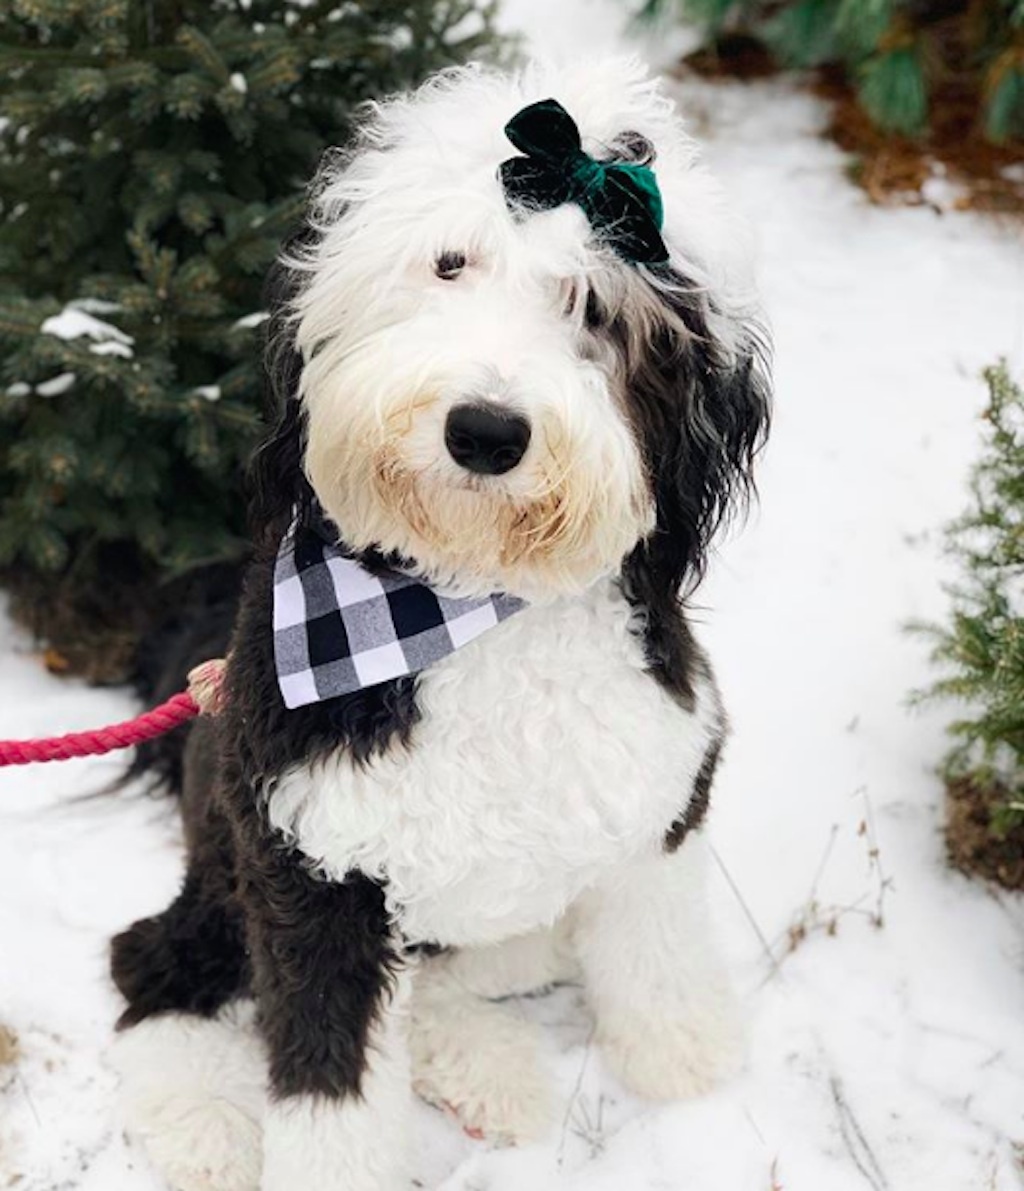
(239, 83)
(942, 192)
(207, 392)
(57, 385)
(76, 321)
(95, 305)
(883, 1058)
(73, 322)
(111, 348)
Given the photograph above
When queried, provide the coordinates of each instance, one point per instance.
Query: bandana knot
(620, 200)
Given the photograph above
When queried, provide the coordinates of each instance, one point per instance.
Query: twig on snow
(816, 917)
(853, 1138)
(576, 1091)
(747, 912)
(590, 1129)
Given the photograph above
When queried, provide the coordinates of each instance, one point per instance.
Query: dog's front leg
(667, 1019)
(330, 993)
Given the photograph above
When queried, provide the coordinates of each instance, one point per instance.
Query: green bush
(981, 649)
(153, 154)
(897, 53)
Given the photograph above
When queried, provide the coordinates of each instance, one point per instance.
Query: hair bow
(621, 201)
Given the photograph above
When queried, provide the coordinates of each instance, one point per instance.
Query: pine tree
(153, 155)
(897, 52)
(981, 650)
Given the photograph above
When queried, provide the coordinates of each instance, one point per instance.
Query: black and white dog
(467, 739)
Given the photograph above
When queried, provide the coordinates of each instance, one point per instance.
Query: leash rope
(203, 697)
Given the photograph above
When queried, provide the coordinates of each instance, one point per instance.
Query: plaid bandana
(340, 628)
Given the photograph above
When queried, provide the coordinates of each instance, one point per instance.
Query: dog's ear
(698, 385)
(277, 483)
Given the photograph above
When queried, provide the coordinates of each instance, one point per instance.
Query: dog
(521, 380)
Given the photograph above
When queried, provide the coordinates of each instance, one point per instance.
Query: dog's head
(497, 393)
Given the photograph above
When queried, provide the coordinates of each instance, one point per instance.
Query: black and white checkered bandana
(339, 627)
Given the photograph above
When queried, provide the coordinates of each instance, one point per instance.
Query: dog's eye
(449, 265)
(595, 314)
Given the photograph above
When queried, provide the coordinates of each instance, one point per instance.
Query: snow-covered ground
(888, 1058)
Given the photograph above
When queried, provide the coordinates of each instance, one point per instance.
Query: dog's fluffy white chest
(545, 755)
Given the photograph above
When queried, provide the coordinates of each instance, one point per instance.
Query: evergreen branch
(982, 648)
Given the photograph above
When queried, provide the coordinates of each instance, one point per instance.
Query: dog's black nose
(486, 439)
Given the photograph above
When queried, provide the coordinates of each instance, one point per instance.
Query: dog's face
(497, 394)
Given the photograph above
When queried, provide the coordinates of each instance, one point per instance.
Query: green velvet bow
(621, 201)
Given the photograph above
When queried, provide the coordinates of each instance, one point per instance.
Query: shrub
(981, 649)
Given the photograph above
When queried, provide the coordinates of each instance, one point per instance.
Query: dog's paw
(673, 1059)
(484, 1070)
(192, 1094)
(209, 1146)
(504, 1112)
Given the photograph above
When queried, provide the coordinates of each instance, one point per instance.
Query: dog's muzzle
(486, 439)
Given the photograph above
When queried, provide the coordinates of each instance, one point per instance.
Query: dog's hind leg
(476, 1059)
(193, 1093)
(192, 957)
(667, 1019)
(193, 1073)
(189, 959)
(192, 1070)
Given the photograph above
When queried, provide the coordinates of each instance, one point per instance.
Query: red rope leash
(203, 696)
(175, 711)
